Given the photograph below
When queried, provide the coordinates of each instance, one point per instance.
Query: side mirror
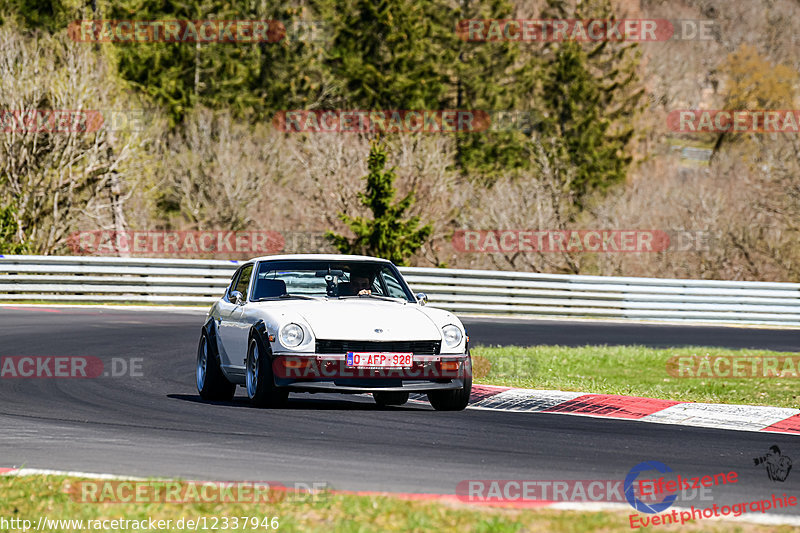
(422, 298)
(237, 297)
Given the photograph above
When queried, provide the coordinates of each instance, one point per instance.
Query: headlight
(291, 335)
(452, 335)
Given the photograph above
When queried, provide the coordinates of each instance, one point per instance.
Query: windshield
(329, 279)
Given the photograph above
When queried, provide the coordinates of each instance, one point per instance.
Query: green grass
(628, 370)
(29, 497)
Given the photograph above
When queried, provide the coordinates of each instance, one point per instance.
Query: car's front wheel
(390, 398)
(454, 400)
(211, 382)
(259, 380)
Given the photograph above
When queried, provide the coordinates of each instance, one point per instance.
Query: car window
(244, 280)
(232, 286)
(296, 280)
(393, 287)
(308, 278)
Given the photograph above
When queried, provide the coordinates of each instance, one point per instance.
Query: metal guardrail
(189, 281)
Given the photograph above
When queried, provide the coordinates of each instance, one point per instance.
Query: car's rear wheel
(390, 398)
(211, 382)
(454, 400)
(259, 380)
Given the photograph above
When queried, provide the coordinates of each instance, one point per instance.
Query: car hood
(359, 319)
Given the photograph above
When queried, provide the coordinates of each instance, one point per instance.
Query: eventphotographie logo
(777, 465)
(630, 483)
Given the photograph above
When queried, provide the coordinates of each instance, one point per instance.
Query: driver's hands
(364, 292)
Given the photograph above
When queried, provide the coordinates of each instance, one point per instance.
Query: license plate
(379, 359)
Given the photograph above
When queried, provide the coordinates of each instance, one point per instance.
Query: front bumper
(404, 386)
(329, 373)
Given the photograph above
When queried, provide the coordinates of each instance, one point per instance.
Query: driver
(360, 285)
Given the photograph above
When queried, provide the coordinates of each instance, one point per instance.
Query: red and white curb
(706, 415)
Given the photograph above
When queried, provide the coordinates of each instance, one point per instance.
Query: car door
(234, 347)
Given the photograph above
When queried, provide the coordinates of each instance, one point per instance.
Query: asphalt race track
(156, 425)
(524, 332)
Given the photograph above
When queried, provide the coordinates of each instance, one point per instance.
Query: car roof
(319, 257)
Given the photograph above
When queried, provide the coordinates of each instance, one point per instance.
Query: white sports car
(330, 323)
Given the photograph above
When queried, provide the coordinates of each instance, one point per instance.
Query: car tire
(259, 379)
(385, 399)
(454, 400)
(211, 382)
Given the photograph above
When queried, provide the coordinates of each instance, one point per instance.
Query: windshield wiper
(287, 297)
(387, 298)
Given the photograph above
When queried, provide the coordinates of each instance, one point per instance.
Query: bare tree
(221, 173)
(60, 174)
(539, 200)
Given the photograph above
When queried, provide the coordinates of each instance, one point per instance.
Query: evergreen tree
(292, 73)
(590, 95)
(573, 103)
(391, 54)
(498, 77)
(47, 15)
(182, 75)
(386, 234)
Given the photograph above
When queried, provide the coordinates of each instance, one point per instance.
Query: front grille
(342, 347)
